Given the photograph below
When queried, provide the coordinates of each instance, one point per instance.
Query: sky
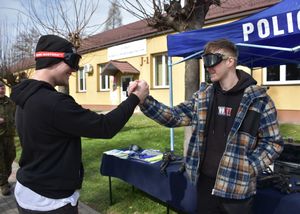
(12, 10)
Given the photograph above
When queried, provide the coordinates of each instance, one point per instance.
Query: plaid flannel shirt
(249, 148)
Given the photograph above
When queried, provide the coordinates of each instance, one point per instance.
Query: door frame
(122, 96)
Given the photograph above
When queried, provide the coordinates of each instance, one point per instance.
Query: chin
(213, 79)
(63, 84)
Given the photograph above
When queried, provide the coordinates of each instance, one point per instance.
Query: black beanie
(52, 43)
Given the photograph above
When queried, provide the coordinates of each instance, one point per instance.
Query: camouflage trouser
(7, 156)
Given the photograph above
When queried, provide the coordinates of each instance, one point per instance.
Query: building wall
(284, 96)
(92, 96)
(287, 103)
(159, 45)
(99, 100)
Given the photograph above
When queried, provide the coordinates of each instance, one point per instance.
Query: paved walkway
(8, 204)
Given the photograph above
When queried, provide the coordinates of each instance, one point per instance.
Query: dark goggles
(72, 59)
(212, 59)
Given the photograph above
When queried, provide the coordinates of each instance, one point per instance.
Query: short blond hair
(223, 44)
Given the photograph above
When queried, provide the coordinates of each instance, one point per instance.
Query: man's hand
(1, 120)
(140, 88)
(132, 86)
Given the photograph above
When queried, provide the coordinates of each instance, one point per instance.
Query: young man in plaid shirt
(235, 132)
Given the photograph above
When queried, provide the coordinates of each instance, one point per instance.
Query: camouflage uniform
(7, 144)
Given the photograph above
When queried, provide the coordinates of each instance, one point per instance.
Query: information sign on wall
(130, 49)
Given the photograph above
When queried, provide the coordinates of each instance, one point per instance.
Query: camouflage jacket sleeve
(7, 112)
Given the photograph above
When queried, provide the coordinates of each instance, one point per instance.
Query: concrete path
(8, 203)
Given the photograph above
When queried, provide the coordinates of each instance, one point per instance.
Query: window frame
(282, 77)
(165, 73)
(81, 69)
(107, 79)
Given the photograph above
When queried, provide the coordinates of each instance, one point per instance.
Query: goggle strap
(45, 54)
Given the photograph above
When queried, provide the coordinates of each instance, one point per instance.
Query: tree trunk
(192, 81)
(192, 77)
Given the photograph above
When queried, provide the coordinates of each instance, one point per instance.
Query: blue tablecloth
(272, 201)
(174, 188)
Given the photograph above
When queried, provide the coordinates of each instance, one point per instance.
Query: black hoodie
(50, 125)
(221, 116)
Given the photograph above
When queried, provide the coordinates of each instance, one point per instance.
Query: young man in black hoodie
(235, 133)
(50, 125)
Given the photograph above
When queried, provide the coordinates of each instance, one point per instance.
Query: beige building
(110, 60)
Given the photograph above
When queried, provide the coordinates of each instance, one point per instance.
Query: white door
(124, 84)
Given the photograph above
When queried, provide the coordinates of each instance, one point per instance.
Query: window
(292, 72)
(282, 74)
(103, 79)
(273, 73)
(81, 78)
(160, 75)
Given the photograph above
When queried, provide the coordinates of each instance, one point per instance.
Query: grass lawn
(290, 131)
(141, 131)
(146, 133)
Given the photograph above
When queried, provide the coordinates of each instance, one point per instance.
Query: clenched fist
(140, 88)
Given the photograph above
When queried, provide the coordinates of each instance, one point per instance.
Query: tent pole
(269, 47)
(251, 67)
(189, 57)
(171, 100)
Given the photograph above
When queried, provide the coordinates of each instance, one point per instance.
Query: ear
(231, 62)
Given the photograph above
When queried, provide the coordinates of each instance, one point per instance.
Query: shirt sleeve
(269, 141)
(180, 115)
(70, 118)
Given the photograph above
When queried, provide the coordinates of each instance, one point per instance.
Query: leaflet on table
(153, 159)
(118, 153)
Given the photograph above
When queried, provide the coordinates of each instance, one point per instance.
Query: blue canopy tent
(270, 37)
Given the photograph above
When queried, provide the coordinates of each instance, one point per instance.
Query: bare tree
(67, 18)
(4, 57)
(8, 56)
(178, 15)
(25, 43)
(114, 19)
